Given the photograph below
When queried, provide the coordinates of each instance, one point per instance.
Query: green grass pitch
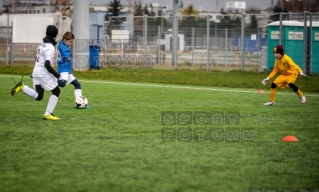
(118, 144)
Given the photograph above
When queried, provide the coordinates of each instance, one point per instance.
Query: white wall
(30, 29)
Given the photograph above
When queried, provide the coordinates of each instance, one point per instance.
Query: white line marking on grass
(184, 87)
(176, 87)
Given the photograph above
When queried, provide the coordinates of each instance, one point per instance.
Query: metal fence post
(193, 34)
(145, 35)
(11, 45)
(280, 29)
(309, 66)
(176, 40)
(242, 41)
(175, 33)
(215, 44)
(226, 42)
(7, 47)
(258, 41)
(307, 43)
(159, 45)
(161, 24)
(208, 44)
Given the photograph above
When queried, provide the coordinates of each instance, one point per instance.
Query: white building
(167, 42)
(57, 20)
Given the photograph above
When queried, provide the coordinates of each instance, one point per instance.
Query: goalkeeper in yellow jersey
(289, 73)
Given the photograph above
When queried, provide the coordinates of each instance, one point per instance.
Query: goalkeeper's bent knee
(273, 85)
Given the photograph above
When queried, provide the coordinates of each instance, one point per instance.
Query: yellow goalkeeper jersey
(285, 66)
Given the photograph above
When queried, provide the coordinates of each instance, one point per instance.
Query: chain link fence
(237, 42)
(206, 45)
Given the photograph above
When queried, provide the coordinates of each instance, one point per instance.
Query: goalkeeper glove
(304, 75)
(265, 81)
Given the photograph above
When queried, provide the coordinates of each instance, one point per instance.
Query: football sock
(272, 95)
(77, 93)
(299, 93)
(53, 100)
(30, 92)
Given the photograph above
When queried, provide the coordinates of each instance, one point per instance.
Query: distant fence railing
(235, 42)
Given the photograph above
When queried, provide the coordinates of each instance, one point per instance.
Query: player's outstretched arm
(48, 66)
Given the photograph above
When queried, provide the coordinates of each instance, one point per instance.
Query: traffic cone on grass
(290, 138)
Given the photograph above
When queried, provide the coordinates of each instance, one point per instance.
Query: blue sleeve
(65, 52)
(64, 61)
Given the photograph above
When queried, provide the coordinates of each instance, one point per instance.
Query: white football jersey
(45, 52)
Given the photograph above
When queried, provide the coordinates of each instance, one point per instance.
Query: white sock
(30, 92)
(77, 93)
(53, 100)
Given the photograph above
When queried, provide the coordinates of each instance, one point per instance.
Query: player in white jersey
(44, 76)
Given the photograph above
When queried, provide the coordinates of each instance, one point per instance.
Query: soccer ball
(81, 102)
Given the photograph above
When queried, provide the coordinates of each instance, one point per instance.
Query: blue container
(249, 45)
(94, 56)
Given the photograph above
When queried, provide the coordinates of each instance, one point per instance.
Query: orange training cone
(290, 138)
(260, 91)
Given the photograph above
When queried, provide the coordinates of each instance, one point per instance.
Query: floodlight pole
(82, 35)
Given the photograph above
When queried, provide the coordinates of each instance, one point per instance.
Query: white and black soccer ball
(81, 102)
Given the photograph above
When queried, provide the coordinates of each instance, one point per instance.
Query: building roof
(98, 8)
(287, 23)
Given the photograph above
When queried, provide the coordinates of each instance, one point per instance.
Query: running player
(44, 76)
(64, 64)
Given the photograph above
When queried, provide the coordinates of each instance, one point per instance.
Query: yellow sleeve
(274, 71)
(293, 65)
